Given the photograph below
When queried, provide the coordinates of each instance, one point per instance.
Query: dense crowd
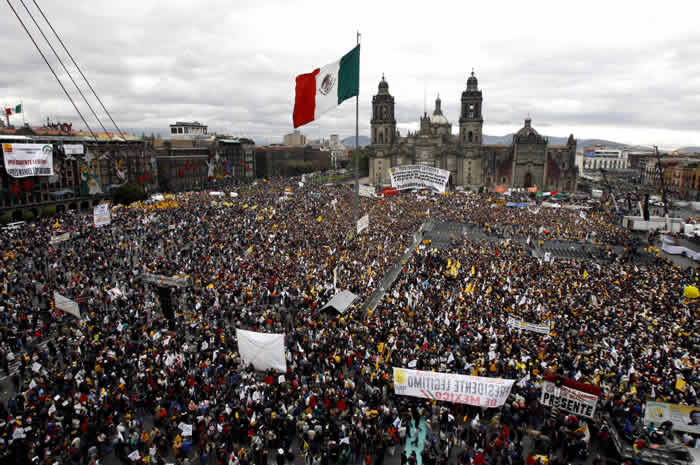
(124, 385)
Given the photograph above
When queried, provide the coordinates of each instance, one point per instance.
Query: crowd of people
(122, 384)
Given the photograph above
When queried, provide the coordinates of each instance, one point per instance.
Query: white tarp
(568, 399)
(521, 324)
(458, 389)
(102, 215)
(263, 351)
(419, 177)
(679, 250)
(680, 415)
(66, 305)
(341, 301)
(367, 191)
(216, 193)
(362, 224)
(25, 160)
(60, 238)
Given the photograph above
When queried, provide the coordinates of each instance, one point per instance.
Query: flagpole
(21, 107)
(357, 147)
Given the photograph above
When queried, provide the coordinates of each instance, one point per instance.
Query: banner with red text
(25, 160)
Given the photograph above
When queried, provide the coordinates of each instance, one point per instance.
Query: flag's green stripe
(349, 75)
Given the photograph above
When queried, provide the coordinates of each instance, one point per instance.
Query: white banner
(25, 160)
(66, 305)
(568, 399)
(263, 351)
(521, 324)
(362, 224)
(367, 191)
(449, 387)
(102, 215)
(60, 238)
(419, 177)
(684, 417)
(73, 149)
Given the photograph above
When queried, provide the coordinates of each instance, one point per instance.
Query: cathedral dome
(438, 118)
(526, 130)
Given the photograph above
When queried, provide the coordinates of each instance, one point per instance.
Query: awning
(341, 301)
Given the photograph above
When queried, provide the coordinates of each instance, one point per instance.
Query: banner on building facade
(60, 238)
(568, 399)
(25, 160)
(362, 224)
(73, 149)
(521, 324)
(684, 417)
(102, 215)
(66, 305)
(450, 387)
(419, 177)
(263, 351)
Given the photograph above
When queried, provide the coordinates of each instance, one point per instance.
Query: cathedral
(527, 161)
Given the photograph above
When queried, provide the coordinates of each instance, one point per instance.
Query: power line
(64, 67)
(51, 68)
(78, 68)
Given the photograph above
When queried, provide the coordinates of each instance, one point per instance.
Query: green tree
(129, 193)
(27, 215)
(364, 161)
(49, 210)
(5, 218)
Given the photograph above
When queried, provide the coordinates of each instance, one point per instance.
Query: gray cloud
(232, 65)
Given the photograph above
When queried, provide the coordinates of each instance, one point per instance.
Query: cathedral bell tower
(383, 121)
(471, 120)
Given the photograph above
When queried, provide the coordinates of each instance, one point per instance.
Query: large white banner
(367, 191)
(66, 305)
(458, 389)
(73, 149)
(60, 238)
(102, 215)
(419, 177)
(521, 324)
(568, 399)
(263, 351)
(684, 417)
(362, 224)
(25, 160)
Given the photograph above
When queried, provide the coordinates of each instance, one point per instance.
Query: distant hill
(350, 141)
(553, 140)
(688, 150)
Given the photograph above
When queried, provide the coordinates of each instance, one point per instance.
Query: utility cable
(79, 70)
(51, 68)
(64, 68)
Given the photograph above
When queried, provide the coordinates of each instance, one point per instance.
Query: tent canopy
(341, 301)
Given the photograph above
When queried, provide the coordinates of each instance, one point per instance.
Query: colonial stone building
(527, 161)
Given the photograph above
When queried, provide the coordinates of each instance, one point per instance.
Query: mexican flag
(14, 111)
(327, 87)
(546, 194)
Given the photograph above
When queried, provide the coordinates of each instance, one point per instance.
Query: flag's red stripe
(305, 100)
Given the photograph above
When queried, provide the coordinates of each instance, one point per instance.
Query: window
(471, 136)
(173, 130)
(179, 130)
(187, 130)
(471, 110)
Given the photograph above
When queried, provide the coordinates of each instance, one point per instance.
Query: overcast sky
(620, 70)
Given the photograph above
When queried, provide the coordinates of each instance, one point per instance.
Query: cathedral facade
(527, 161)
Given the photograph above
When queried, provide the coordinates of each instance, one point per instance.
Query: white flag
(66, 305)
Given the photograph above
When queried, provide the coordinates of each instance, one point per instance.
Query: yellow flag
(585, 274)
(319, 219)
(380, 347)
(680, 385)
(473, 270)
(56, 225)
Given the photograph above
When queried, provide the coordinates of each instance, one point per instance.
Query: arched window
(381, 137)
(471, 136)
